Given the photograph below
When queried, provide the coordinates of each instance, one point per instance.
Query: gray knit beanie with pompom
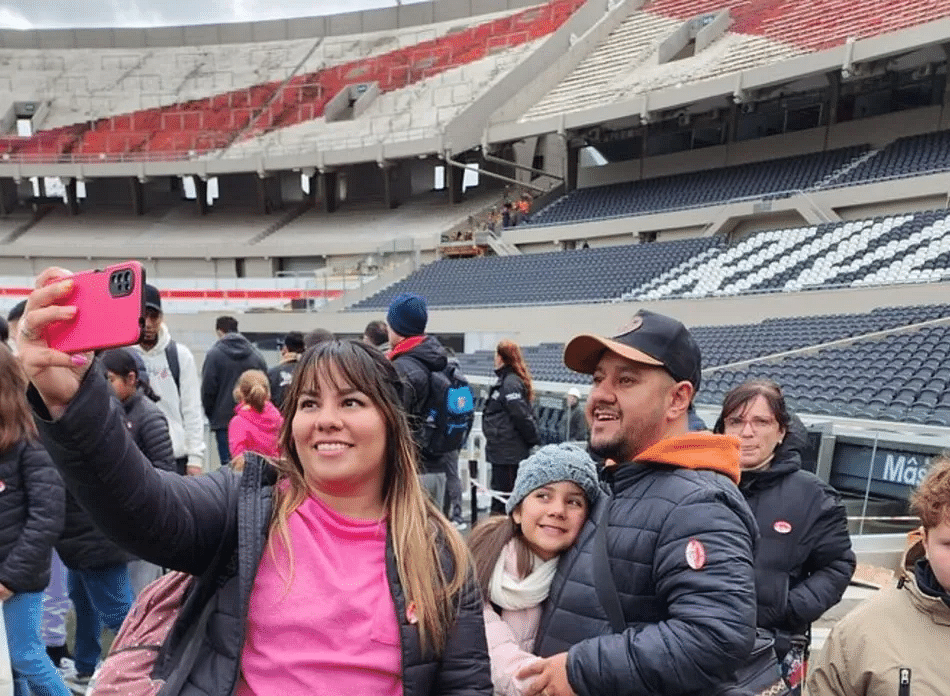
(553, 463)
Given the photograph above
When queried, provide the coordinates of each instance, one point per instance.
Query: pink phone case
(110, 310)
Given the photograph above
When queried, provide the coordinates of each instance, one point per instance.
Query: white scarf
(509, 592)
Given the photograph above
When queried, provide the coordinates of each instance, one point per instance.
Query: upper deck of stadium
(433, 78)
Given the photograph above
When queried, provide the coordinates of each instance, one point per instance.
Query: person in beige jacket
(895, 644)
(516, 554)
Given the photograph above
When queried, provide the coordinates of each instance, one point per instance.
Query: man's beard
(615, 449)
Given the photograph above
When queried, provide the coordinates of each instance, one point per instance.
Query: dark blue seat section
(583, 275)
(771, 179)
(910, 156)
(722, 345)
(902, 376)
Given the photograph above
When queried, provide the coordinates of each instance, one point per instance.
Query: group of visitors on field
(658, 560)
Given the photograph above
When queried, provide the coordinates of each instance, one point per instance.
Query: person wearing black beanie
(416, 356)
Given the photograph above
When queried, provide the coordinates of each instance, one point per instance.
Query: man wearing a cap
(282, 374)
(679, 536)
(174, 377)
(416, 356)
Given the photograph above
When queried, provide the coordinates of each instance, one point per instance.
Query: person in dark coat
(574, 424)
(227, 360)
(677, 536)
(508, 419)
(416, 356)
(149, 428)
(31, 518)
(333, 584)
(282, 374)
(804, 561)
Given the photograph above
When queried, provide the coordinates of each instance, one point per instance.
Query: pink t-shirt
(334, 629)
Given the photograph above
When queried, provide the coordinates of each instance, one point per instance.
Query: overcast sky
(27, 14)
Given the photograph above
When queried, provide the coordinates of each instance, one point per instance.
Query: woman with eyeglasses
(804, 561)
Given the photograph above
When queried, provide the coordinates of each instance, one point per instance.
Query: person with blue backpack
(437, 398)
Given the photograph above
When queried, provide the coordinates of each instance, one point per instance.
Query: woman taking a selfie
(329, 573)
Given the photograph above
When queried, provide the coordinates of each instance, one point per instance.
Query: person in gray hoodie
(228, 358)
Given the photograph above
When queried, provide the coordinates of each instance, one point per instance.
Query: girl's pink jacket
(255, 432)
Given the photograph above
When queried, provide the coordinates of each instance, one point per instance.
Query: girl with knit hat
(256, 423)
(516, 554)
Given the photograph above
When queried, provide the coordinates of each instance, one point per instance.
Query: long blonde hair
(417, 528)
(253, 389)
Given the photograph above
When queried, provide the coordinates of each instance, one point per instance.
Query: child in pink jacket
(256, 424)
(516, 555)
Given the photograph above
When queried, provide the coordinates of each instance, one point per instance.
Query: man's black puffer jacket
(680, 546)
(215, 527)
(32, 500)
(804, 561)
(508, 421)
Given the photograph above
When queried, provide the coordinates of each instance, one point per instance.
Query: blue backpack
(450, 411)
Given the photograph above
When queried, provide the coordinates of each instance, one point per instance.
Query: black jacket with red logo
(804, 561)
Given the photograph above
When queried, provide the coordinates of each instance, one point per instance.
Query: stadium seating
(723, 345)
(185, 128)
(773, 178)
(911, 248)
(880, 251)
(596, 78)
(912, 156)
(904, 375)
(810, 24)
(619, 68)
(582, 275)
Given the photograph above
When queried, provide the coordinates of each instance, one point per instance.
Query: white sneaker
(78, 684)
(66, 668)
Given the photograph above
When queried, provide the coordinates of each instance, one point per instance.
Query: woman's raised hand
(56, 375)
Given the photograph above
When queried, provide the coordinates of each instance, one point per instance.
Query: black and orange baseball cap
(648, 338)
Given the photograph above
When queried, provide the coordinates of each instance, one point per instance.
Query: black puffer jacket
(150, 430)
(215, 527)
(804, 560)
(415, 359)
(82, 544)
(508, 421)
(680, 544)
(231, 355)
(32, 500)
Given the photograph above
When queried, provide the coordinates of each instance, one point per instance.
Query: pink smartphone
(110, 310)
